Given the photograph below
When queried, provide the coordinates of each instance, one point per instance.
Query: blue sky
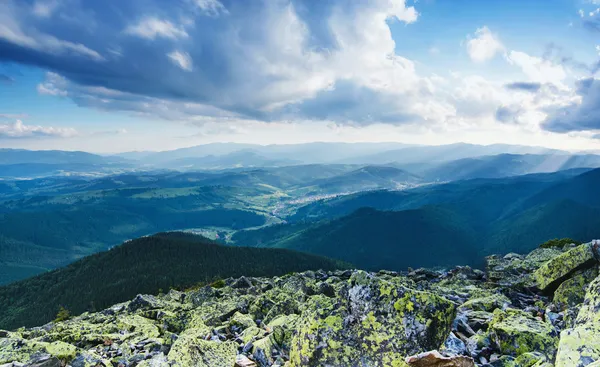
(155, 74)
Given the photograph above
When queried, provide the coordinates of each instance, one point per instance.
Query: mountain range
(398, 214)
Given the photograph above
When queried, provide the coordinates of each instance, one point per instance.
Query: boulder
(517, 332)
(190, 349)
(580, 345)
(572, 291)
(435, 359)
(487, 303)
(144, 302)
(550, 275)
(376, 322)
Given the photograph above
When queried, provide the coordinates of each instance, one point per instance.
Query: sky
(112, 76)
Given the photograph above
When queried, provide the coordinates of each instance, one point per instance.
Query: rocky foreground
(541, 310)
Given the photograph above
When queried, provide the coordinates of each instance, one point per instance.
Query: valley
(396, 215)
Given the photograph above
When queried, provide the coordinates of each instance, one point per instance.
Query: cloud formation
(484, 45)
(18, 130)
(208, 61)
(197, 58)
(581, 115)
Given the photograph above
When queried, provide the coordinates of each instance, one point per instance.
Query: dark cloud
(349, 103)
(229, 63)
(578, 116)
(507, 114)
(524, 86)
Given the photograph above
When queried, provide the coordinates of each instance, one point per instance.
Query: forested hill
(145, 265)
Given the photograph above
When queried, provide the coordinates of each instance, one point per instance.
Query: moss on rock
(517, 332)
(191, 349)
(555, 271)
(580, 346)
(376, 323)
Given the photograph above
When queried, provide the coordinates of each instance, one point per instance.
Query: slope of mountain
(584, 189)
(477, 217)
(79, 224)
(145, 265)
(446, 153)
(506, 165)
(374, 239)
(367, 178)
(555, 219)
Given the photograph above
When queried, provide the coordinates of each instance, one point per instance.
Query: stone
(435, 359)
(143, 301)
(550, 275)
(572, 291)
(580, 345)
(44, 360)
(241, 282)
(190, 349)
(487, 303)
(243, 361)
(374, 321)
(517, 332)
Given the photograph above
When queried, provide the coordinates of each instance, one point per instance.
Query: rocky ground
(540, 309)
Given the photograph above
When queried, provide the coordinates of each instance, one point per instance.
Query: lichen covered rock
(572, 291)
(375, 323)
(580, 346)
(554, 272)
(458, 317)
(516, 332)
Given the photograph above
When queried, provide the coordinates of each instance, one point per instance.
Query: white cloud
(45, 8)
(403, 13)
(181, 59)
(19, 130)
(54, 85)
(211, 7)
(537, 69)
(484, 45)
(152, 27)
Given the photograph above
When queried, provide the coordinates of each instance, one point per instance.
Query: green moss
(559, 243)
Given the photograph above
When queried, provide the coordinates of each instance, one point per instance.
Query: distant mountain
(445, 153)
(307, 153)
(241, 158)
(506, 165)
(33, 170)
(19, 156)
(145, 265)
(367, 178)
(500, 195)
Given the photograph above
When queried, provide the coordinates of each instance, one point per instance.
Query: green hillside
(377, 240)
(472, 219)
(145, 265)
